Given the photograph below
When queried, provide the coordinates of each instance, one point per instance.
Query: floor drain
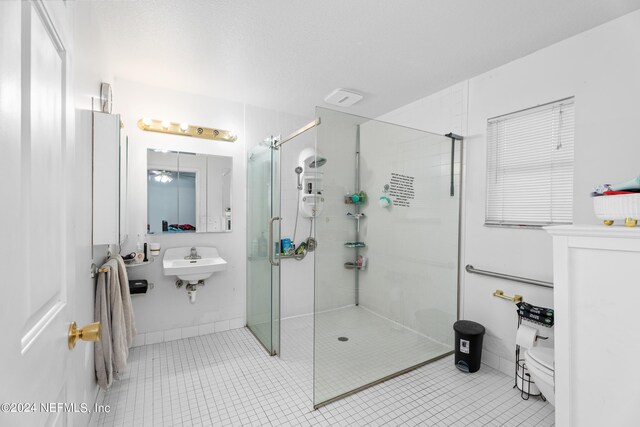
(343, 339)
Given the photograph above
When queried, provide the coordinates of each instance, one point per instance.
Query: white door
(35, 258)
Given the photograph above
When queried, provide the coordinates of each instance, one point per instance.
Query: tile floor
(228, 379)
(376, 348)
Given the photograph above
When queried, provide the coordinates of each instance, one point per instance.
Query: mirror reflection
(188, 192)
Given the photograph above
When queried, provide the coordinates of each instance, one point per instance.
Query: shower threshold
(381, 380)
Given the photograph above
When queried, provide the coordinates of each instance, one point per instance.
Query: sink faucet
(193, 255)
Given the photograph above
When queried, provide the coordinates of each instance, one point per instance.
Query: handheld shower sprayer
(299, 172)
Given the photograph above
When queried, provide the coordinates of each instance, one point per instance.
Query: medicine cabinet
(109, 175)
(188, 192)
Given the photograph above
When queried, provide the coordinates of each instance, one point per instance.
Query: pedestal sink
(192, 265)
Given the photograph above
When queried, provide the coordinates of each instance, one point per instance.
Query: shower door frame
(273, 200)
(275, 142)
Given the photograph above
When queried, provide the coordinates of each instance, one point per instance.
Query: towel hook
(95, 270)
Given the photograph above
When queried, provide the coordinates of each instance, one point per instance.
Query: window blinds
(530, 166)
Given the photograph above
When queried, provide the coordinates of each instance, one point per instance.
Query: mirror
(188, 192)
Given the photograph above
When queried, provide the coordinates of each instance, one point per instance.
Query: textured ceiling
(288, 55)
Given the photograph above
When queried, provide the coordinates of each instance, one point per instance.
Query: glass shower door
(263, 230)
(386, 270)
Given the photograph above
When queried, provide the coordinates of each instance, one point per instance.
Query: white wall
(165, 312)
(598, 67)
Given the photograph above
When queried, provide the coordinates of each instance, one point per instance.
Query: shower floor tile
(375, 348)
(227, 378)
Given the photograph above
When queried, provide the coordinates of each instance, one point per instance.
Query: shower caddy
(356, 199)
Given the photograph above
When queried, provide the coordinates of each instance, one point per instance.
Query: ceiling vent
(342, 98)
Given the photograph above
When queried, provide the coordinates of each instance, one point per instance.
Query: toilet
(539, 362)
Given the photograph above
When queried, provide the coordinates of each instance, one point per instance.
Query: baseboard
(155, 337)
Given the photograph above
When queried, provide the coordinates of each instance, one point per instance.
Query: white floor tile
(228, 379)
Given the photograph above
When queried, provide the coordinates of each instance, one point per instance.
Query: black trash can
(468, 345)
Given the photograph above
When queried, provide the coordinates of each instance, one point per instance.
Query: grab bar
(500, 294)
(541, 283)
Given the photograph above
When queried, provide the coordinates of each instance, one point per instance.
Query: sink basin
(192, 270)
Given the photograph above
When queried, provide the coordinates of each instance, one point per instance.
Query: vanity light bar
(164, 126)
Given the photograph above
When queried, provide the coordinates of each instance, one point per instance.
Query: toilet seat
(543, 358)
(539, 362)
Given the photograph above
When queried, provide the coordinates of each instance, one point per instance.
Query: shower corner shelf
(349, 201)
(355, 245)
(353, 266)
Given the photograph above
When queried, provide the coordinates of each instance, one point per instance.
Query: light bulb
(146, 122)
(184, 127)
(165, 124)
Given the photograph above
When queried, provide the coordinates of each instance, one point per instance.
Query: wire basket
(524, 382)
(523, 379)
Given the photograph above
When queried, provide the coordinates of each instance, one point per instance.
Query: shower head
(298, 170)
(311, 159)
(318, 162)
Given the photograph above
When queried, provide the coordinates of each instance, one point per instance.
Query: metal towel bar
(534, 282)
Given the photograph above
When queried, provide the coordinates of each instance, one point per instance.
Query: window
(530, 166)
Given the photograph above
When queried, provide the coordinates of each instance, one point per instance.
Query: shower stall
(370, 288)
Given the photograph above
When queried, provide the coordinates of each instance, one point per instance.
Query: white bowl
(618, 207)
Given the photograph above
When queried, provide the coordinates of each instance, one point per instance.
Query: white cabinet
(597, 327)
(124, 184)
(103, 132)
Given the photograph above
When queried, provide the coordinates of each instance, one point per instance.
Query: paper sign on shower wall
(401, 189)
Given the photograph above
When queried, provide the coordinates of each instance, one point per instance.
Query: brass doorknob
(91, 332)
